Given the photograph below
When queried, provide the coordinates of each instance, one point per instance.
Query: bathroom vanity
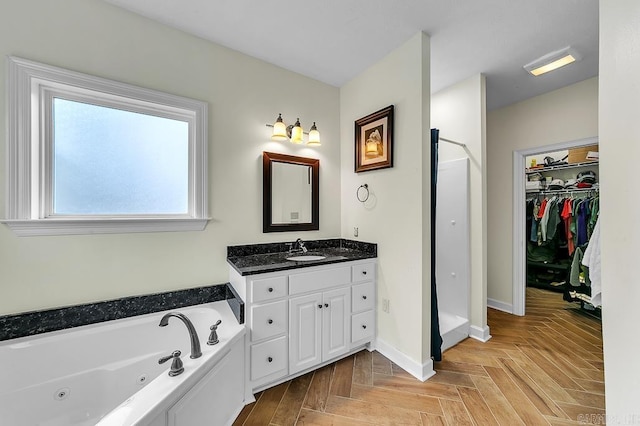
(302, 314)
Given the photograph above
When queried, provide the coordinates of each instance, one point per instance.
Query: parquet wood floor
(545, 368)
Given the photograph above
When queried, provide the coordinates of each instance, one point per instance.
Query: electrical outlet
(385, 305)
(355, 231)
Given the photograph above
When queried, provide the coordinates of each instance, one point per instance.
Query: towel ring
(365, 197)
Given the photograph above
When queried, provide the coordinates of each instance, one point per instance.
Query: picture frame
(374, 141)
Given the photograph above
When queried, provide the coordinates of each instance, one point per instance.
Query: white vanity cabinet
(300, 319)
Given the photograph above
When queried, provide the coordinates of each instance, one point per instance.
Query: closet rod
(453, 142)
(565, 191)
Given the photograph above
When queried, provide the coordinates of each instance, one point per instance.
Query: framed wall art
(374, 141)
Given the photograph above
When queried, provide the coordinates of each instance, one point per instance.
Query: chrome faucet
(300, 245)
(195, 342)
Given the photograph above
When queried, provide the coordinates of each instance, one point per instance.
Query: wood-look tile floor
(540, 369)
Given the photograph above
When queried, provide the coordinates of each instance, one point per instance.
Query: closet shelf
(561, 167)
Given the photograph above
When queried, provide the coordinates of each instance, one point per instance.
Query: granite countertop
(261, 258)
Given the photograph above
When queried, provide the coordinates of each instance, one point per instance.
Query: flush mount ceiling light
(552, 61)
(293, 133)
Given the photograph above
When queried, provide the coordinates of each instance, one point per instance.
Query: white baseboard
(501, 306)
(420, 371)
(480, 333)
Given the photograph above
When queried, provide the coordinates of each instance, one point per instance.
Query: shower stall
(453, 251)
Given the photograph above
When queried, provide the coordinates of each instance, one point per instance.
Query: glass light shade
(314, 136)
(296, 133)
(279, 130)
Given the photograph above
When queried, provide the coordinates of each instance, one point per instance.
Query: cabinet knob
(270, 321)
(270, 359)
(326, 305)
(270, 289)
(320, 306)
(364, 297)
(364, 326)
(364, 272)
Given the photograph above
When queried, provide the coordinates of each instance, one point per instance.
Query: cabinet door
(305, 315)
(336, 325)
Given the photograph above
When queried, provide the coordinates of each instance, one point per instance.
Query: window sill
(39, 227)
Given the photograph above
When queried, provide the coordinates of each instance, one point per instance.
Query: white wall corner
(501, 306)
(420, 371)
(480, 333)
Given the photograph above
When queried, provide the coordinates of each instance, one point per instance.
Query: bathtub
(108, 373)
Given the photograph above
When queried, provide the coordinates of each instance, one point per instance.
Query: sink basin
(306, 258)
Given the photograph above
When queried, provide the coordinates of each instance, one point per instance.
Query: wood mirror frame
(268, 158)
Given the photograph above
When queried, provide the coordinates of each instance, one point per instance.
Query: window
(89, 155)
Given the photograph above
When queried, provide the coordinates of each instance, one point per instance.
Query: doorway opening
(519, 213)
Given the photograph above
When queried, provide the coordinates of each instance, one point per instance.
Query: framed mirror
(291, 200)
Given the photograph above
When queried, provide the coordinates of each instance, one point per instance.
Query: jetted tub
(108, 373)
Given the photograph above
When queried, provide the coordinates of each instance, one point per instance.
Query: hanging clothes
(567, 217)
(553, 218)
(582, 221)
(591, 259)
(545, 217)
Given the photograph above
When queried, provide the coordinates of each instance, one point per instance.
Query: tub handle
(213, 337)
(176, 365)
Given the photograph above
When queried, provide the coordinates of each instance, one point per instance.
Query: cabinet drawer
(362, 326)
(363, 272)
(319, 280)
(268, 289)
(362, 297)
(269, 357)
(268, 320)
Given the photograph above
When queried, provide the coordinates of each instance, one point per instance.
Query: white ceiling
(334, 40)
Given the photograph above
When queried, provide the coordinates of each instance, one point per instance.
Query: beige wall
(567, 114)
(620, 226)
(243, 94)
(395, 216)
(459, 112)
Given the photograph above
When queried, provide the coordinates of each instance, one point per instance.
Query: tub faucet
(195, 342)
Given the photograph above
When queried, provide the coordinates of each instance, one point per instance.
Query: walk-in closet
(562, 231)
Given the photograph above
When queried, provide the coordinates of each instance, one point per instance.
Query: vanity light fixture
(314, 136)
(282, 132)
(552, 61)
(279, 130)
(296, 133)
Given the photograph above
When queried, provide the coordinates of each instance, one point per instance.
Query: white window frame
(31, 87)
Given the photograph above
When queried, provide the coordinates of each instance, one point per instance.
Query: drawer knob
(270, 289)
(320, 306)
(364, 326)
(270, 359)
(364, 272)
(270, 321)
(364, 297)
(326, 305)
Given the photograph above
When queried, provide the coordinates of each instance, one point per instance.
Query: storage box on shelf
(579, 155)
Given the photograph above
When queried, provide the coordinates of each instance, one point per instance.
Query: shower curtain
(436, 338)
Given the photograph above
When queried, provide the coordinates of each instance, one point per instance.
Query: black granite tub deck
(31, 323)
